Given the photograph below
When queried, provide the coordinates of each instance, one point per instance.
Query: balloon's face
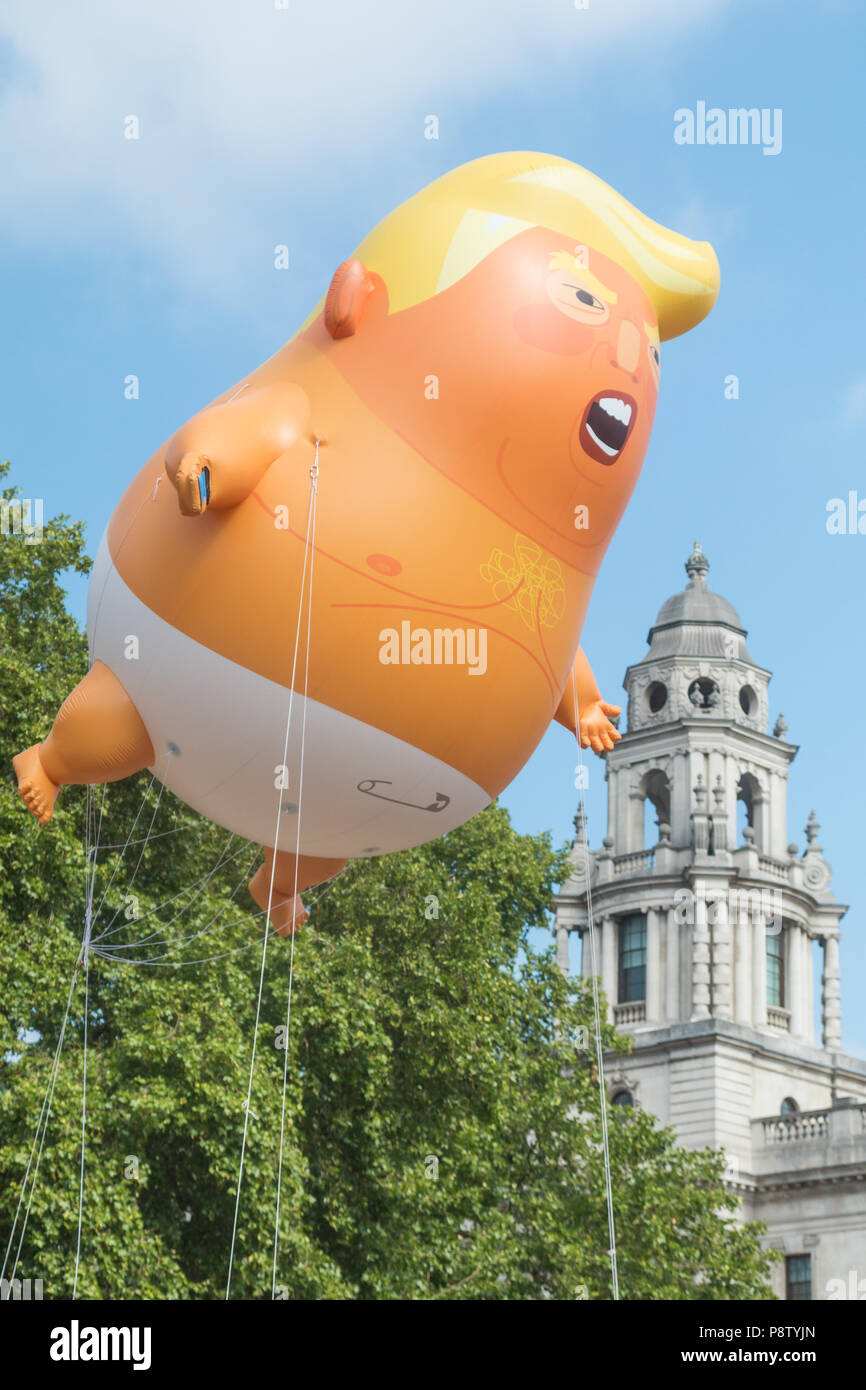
(546, 362)
(608, 420)
(580, 406)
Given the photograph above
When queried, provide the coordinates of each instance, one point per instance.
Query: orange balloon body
(482, 389)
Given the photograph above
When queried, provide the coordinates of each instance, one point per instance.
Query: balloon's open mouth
(606, 425)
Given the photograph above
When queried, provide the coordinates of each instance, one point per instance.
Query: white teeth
(617, 408)
(601, 444)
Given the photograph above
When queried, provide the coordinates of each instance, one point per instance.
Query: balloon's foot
(35, 787)
(282, 879)
(288, 916)
(287, 912)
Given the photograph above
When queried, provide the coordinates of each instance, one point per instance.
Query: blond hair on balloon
(435, 238)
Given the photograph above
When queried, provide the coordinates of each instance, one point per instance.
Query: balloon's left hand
(192, 480)
(596, 730)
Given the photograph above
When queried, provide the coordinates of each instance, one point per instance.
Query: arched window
(624, 1098)
(657, 805)
(748, 801)
(789, 1106)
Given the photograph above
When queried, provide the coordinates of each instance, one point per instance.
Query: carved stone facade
(704, 939)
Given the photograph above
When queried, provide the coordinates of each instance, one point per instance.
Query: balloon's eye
(590, 301)
(654, 353)
(572, 297)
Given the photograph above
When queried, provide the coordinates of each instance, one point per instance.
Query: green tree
(442, 1135)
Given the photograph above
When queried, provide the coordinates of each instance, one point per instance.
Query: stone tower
(707, 920)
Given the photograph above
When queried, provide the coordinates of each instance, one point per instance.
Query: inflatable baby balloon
(474, 396)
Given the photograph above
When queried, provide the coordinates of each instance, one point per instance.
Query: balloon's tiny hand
(596, 730)
(192, 480)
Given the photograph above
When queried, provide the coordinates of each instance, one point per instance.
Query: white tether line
(45, 1112)
(128, 838)
(599, 1050)
(313, 480)
(41, 1127)
(314, 476)
(84, 959)
(199, 883)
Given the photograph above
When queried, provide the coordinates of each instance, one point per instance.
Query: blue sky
(304, 126)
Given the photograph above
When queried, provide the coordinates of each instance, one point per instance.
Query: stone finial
(780, 728)
(700, 820)
(697, 565)
(700, 792)
(664, 833)
(580, 823)
(816, 871)
(719, 794)
(793, 849)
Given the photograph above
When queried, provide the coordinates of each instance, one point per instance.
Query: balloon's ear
(349, 296)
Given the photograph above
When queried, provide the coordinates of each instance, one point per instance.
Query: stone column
(680, 800)
(653, 968)
(585, 955)
(722, 1002)
(622, 812)
(612, 777)
(700, 960)
(634, 837)
(671, 928)
(794, 983)
(777, 829)
(562, 949)
(720, 817)
(609, 963)
(759, 970)
(762, 821)
(809, 988)
(700, 818)
(830, 995)
(742, 966)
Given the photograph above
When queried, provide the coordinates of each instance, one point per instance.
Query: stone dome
(696, 621)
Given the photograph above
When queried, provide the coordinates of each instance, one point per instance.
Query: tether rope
(83, 1123)
(45, 1112)
(41, 1129)
(131, 880)
(160, 835)
(599, 1049)
(163, 964)
(112, 951)
(98, 943)
(199, 885)
(314, 479)
(220, 863)
(123, 851)
(84, 960)
(313, 483)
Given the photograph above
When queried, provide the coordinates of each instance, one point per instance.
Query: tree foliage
(442, 1123)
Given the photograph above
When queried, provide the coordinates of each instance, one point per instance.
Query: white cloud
(254, 119)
